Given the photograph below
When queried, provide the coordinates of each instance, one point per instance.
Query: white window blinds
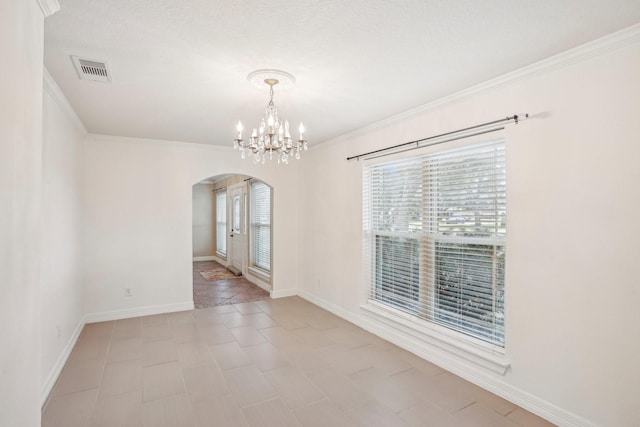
(435, 228)
(260, 222)
(221, 222)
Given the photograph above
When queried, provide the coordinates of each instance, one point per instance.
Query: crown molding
(48, 7)
(98, 137)
(53, 89)
(581, 53)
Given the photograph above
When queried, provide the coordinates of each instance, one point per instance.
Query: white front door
(236, 231)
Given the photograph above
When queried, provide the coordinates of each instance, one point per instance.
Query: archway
(231, 240)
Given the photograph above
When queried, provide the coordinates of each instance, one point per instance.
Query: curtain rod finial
(518, 117)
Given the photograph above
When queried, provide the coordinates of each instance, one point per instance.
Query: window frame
(428, 238)
(221, 194)
(255, 267)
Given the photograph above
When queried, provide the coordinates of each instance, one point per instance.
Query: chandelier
(273, 137)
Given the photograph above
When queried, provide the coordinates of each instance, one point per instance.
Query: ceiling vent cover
(92, 70)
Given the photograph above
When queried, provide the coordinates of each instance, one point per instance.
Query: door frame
(240, 190)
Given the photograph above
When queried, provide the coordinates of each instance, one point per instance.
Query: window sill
(472, 350)
(260, 274)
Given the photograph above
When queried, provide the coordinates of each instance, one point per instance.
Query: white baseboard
(205, 258)
(211, 258)
(138, 311)
(258, 282)
(222, 261)
(101, 317)
(57, 368)
(283, 293)
(513, 394)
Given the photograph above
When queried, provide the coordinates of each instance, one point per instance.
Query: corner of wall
(47, 387)
(52, 88)
(48, 7)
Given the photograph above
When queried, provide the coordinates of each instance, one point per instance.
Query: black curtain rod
(515, 118)
(444, 141)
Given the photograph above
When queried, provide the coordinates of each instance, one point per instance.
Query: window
(260, 224)
(221, 222)
(436, 228)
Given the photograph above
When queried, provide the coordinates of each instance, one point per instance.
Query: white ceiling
(179, 67)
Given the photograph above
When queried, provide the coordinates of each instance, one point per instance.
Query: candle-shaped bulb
(301, 131)
(239, 128)
(286, 130)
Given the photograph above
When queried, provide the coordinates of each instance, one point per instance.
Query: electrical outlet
(128, 292)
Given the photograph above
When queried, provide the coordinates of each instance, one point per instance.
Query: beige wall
(204, 220)
(61, 277)
(572, 297)
(572, 269)
(21, 44)
(138, 227)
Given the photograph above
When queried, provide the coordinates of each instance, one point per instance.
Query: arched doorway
(231, 240)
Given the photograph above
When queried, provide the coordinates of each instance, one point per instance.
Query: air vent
(92, 70)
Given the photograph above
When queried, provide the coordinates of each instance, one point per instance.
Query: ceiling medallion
(272, 137)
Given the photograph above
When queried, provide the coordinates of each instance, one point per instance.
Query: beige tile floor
(269, 363)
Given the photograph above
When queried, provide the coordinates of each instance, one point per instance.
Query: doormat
(219, 274)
